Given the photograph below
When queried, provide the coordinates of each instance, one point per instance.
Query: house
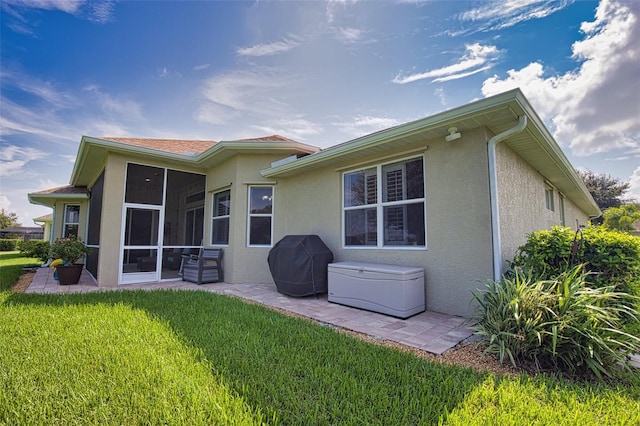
(24, 233)
(455, 193)
(45, 223)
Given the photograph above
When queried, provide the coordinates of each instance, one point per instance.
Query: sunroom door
(140, 260)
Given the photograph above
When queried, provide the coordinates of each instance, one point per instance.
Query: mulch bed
(23, 282)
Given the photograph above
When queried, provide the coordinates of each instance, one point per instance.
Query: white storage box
(388, 289)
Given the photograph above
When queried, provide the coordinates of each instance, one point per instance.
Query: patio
(428, 331)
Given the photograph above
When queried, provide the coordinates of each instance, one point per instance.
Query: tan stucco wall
(59, 217)
(458, 258)
(521, 192)
(242, 264)
(458, 232)
(111, 221)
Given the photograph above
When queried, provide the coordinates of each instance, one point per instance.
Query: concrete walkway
(428, 331)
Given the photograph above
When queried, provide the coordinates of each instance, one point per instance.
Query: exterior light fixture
(453, 134)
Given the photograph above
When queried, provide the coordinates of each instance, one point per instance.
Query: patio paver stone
(428, 331)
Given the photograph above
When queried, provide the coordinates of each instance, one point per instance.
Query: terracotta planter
(69, 274)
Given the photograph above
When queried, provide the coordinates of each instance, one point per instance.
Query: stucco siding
(241, 263)
(111, 221)
(522, 203)
(59, 217)
(458, 253)
(573, 215)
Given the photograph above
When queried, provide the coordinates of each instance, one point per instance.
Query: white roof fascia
(252, 146)
(196, 160)
(41, 199)
(386, 135)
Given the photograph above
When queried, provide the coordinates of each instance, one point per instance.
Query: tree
(8, 219)
(621, 218)
(607, 191)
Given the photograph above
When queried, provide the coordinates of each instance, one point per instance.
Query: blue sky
(320, 72)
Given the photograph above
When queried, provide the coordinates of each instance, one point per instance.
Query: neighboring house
(455, 193)
(45, 223)
(24, 233)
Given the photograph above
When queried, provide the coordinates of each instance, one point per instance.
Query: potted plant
(69, 250)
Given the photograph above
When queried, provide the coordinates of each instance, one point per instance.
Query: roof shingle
(174, 146)
(64, 190)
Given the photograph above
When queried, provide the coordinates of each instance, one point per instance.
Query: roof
(175, 146)
(197, 155)
(48, 197)
(64, 190)
(497, 113)
(44, 218)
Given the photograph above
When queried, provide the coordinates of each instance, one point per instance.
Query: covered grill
(298, 265)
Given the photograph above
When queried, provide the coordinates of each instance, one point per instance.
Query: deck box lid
(376, 268)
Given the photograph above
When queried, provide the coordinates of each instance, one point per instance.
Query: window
(548, 198)
(71, 220)
(260, 215)
(397, 217)
(220, 220)
(561, 205)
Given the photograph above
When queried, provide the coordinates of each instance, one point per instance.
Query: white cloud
(258, 91)
(364, 124)
(477, 58)
(595, 107)
(103, 128)
(268, 49)
(97, 11)
(163, 73)
(5, 203)
(201, 67)
(501, 14)
(44, 91)
(57, 116)
(350, 35)
(634, 186)
(441, 95)
(297, 128)
(331, 9)
(39, 121)
(118, 108)
(14, 158)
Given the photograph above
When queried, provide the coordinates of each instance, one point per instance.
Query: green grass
(180, 357)
(11, 263)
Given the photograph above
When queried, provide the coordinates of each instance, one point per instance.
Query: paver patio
(428, 331)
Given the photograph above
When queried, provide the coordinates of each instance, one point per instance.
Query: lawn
(191, 357)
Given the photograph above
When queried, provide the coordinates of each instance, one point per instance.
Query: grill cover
(298, 265)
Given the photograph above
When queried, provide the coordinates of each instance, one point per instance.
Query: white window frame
(380, 204)
(549, 198)
(252, 215)
(221, 217)
(65, 223)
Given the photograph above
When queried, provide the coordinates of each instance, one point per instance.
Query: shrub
(35, 248)
(70, 249)
(8, 244)
(613, 257)
(561, 322)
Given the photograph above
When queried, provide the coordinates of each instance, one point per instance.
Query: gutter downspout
(493, 191)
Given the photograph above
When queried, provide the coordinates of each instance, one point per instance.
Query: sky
(319, 72)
